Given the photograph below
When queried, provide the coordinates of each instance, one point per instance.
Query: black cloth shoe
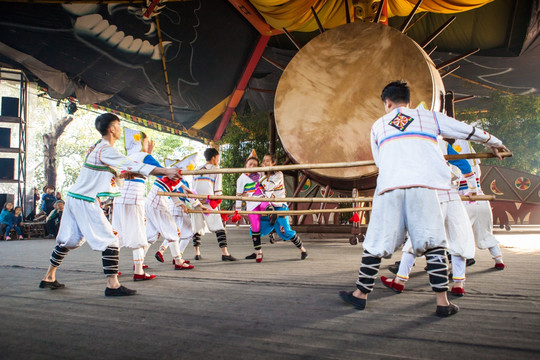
(394, 268)
(227, 258)
(470, 262)
(446, 311)
(304, 255)
(349, 298)
(121, 291)
(53, 285)
(252, 256)
(198, 257)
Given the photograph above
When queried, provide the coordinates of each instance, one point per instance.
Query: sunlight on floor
(524, 243)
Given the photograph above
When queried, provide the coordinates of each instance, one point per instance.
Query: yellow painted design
(212, 114)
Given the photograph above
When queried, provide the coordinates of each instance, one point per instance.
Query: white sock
(138, 260)
(405, 265)
(175, 251)
(183, 244)
(496, 253)
(458, 268)
(164, 245)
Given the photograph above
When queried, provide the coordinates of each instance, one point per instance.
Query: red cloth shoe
(137, 277)
(259, 258)
(159, 257)
(392, 285)
(184, 266)
(499, 266)
(186, 261)
(458, 291)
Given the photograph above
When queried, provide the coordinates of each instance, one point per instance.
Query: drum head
(329, 96)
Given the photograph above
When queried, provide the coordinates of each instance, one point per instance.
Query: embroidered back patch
(401, 121)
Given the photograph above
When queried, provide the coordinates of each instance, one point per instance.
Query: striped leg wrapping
(196, 239)
(221, 238)
(297, 242)
(256, 237)
(368, 272)
(437, 269)
(58, 255)
(109, 257)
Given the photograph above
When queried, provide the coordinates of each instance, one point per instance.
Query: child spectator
(5, 217)
(15, 222)
(53, 220)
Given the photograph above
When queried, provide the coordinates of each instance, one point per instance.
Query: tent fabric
(109, 54)
(296, 15)
(404, 7)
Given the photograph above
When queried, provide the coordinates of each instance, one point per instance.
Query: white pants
(158, 222)
(482, 224)
(202, 223)
(458, 230)
(84, 221)
(183, 224)
(395, 212)
(128, 220)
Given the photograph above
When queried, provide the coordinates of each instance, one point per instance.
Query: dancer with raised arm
(83, 220)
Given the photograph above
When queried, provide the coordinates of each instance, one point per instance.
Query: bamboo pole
(477, 156)
(279, 168)
(300, 200)
(283, 212)
(325, 165)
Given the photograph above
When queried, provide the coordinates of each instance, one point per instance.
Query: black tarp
(111, 49)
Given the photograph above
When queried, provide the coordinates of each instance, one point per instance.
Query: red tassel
(214, 203)
(236, 217)
(170, 183)
(224, 217)
(355, 218)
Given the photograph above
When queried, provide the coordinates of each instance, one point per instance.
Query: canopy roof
(109, 55)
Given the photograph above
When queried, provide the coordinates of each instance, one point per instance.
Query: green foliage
(516, 121)
(244, 133)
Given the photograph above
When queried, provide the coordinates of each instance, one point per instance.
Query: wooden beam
(242, 84)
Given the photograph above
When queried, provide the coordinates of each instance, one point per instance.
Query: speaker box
(4, 198)
(10, 106)
(5, 137)
(8, 169)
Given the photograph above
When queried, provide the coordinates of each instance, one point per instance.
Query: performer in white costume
(83, 220)
(479, 211)
(209, 184)
(128, 213)
(179, 206)
(159, 220)
(411, 167)
(458, 230)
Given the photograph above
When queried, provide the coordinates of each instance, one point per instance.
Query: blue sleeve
(462, 164)
(150, 160)
(43, 205)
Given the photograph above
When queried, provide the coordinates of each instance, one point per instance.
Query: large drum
(329, 96)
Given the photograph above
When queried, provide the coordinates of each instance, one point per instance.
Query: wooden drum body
(329, 96)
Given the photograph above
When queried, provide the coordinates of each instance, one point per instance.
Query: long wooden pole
(283, 212)
(325, 165)
(299, 200)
